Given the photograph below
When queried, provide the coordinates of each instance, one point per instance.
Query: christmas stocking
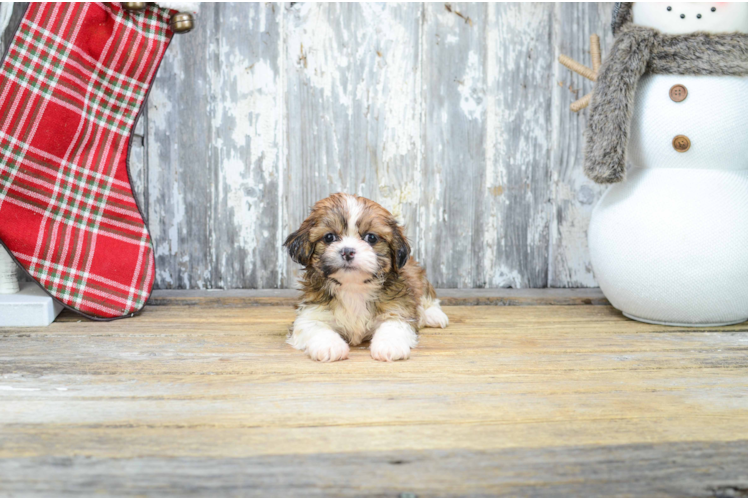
(71, 87)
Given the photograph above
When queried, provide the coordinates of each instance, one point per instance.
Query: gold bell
(134, 5)
(182, 22)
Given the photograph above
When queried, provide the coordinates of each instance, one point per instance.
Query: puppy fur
(359, 283)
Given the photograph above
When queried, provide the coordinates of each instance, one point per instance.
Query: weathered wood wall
(453, 116)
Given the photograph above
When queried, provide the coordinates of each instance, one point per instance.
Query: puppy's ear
(400, 247)
(299, 247)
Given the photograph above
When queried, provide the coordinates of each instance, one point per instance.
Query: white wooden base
(29, 307)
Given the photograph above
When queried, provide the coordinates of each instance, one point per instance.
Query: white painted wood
(451, 221)
(6, 10)
(353, 108)
(11, 18)
(519, 72)
(214, 149)
(179, 177)
(453, 116)
(138, 166)
(31, 306)
(8, 278)
(573, 195)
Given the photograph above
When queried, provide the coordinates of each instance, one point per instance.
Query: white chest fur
(352, 313)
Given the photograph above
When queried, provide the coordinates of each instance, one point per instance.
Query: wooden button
(681, 143)
(678, 92)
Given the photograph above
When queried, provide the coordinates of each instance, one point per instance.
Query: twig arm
(580, 104)
(597, 59)
(578, 68)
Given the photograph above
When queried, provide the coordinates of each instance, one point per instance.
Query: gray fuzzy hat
(621, 15)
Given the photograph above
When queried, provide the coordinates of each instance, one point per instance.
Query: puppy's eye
(330, 237)
(669, 8)
(371, 238)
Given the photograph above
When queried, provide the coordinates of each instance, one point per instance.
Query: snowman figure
(668, 128)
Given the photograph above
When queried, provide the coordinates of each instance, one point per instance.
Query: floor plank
(696, 469)
(537, 400)
(447, 296)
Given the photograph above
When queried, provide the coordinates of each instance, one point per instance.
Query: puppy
(359, 283)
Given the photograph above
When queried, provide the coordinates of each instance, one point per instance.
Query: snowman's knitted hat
(638, 50)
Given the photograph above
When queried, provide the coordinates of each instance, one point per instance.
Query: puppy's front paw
(390, 350)
(435, 317)
(327, 348)
(393, 341)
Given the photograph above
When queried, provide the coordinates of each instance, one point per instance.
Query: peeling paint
(253, 126)
(503, 277)
(496, 190)
(472, 89)
(453, 119)
(242, 199)
(573, 195)
(176, 221)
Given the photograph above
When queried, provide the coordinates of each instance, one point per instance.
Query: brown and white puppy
(359, 283)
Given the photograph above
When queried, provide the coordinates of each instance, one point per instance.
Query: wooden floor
(204, 399)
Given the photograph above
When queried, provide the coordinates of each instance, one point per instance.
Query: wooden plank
(138, 163)
(573, 195)
(522, 297)
(184, 399)
(487, 73)
(691, 469)
(353, 101)
(456, 119)
(460, 128)
(519, 67)
(180, 174)
(214, 131)
(246, 122)
(451, 297)
(451, 218)
(6, 37)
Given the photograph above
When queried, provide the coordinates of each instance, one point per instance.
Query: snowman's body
(670, 244)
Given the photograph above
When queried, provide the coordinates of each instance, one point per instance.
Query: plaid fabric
(71, 86)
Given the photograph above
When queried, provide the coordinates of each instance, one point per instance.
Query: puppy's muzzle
(348, 254)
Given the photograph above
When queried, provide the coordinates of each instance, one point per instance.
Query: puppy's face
(347, 238)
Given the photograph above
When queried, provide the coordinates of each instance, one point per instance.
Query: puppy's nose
(347, 254)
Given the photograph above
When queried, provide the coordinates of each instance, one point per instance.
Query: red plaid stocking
(71, 87)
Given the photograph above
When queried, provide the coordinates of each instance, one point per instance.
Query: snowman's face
(678, 18)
